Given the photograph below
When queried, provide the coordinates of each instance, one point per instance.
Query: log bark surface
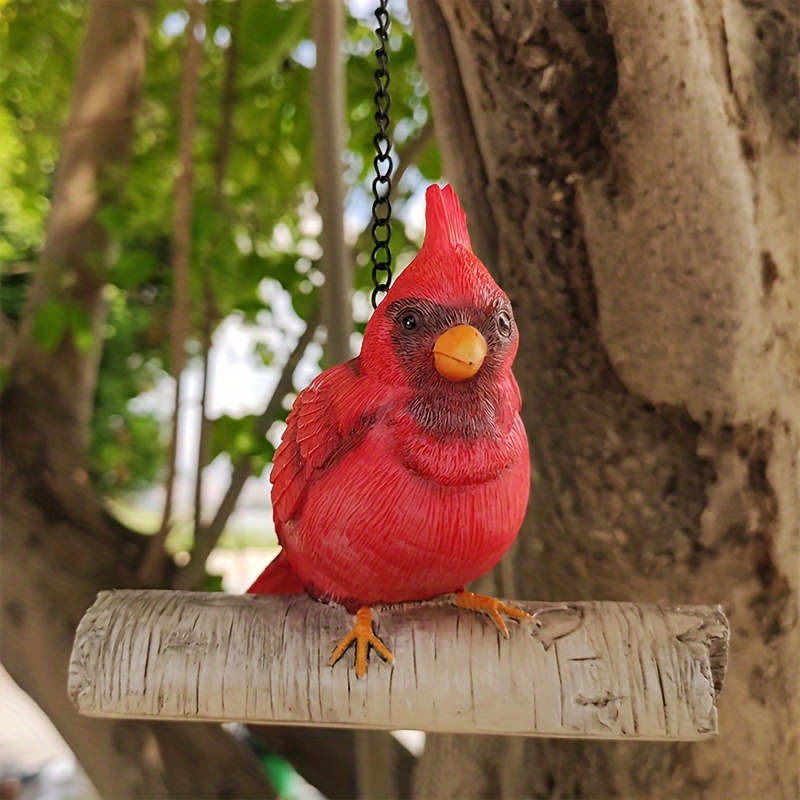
(597, 670)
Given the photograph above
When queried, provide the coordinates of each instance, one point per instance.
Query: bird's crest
(445, 269)
(445, 220)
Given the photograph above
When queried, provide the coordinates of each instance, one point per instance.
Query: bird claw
(364, 637)
(492, 607)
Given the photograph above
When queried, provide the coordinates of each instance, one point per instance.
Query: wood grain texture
(599, 670)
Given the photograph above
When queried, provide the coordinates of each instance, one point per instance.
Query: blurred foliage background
(255, 227)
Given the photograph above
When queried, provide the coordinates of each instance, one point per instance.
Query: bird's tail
(277, 578)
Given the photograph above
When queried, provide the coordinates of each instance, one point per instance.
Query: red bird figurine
(403, 474)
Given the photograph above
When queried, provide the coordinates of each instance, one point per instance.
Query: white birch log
(599, 670)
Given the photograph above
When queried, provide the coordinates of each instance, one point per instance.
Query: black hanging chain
(382, 184)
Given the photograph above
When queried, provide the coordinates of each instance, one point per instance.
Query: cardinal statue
(403, 474)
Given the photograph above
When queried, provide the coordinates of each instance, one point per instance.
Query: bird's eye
(409, 320)
(504, 323)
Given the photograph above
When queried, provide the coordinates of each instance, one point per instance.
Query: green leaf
(114, 219)
(264, 352)
(275, 30)
(237, 437)
(430, 163)
(82, 330)
(50, 324)
(133, 269)
(211, 583)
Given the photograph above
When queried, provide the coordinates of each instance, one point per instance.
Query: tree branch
(8, 341)
(202, 437)
(192, 574)
(407, 155)
(592, 670)
(412, 149)
(328, 131)
(95, 150)
(454, 124)
(152, 569)
(211, 313)
(227, 106)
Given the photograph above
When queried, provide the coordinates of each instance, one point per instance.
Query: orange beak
(459, 352)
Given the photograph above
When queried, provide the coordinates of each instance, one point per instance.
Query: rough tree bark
(58, 548)
(630, 173)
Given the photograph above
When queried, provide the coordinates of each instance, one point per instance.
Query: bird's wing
(327, 419)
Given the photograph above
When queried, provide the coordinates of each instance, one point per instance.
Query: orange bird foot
(491, 606)
(364, 637)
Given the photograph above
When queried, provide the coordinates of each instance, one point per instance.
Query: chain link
(382, 183)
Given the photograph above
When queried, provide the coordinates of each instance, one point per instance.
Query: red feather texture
(446, 220)
(391, 483)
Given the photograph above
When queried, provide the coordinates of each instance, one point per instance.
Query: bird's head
(444, 321)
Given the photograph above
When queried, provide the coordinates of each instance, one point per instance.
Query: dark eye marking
(504, 323)
(409, 319)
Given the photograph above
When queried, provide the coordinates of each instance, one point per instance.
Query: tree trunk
(631, 176)
(59, 549)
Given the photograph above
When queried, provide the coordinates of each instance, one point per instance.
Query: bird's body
(408, 513)
(404, 473)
